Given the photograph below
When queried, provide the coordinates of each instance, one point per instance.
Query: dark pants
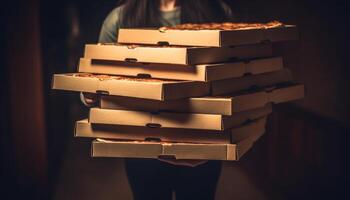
(153, 179)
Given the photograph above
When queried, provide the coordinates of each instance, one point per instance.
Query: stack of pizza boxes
(181, 94)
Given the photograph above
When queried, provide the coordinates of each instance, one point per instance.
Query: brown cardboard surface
(138, 149)
(203, 72)
(232, 85)
(179, 55)
(107, 148)
(175, 120)
(156, 90)
(213, 38)
(85, 129)
(222, 105)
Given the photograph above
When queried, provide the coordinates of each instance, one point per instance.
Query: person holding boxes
(154, 179)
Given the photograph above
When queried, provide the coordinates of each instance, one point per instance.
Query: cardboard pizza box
(233, 85)
(175, 120)
(198, 151)
(85, 129)
(203, 72)
(215, 38)
(179, 55)
(156, 89)
(222, 105)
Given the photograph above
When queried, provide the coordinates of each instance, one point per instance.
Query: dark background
(303, 155)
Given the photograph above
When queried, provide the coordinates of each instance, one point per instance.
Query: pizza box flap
(85, 129)
(174, 120)
(224, 105)
(139, 149)
(214, 38)
(179, 55)
(155, 89)
(232, 85)
(202, 72)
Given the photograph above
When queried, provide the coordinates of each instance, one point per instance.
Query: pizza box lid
(85, 129)
(198, 151)
(232, 85)
(175, 120)
(179, 55)
(201, 72)
(146, 88)
(224, 105)
(214, 38)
